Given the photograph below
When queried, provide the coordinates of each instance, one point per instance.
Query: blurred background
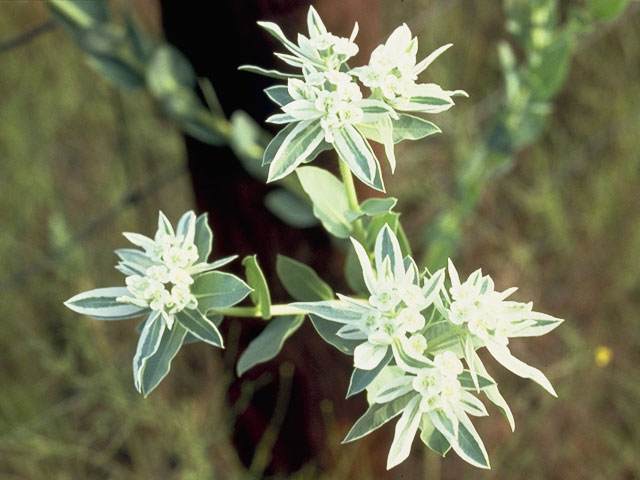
(534, 178)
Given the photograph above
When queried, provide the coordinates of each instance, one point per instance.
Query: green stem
(352, 198)
(276, 311)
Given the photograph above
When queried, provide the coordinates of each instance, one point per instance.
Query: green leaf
(334, 310)
(290, 208)
(361, 379)
(247, 142)
(203, 239)
(200, 327)
(301, 281)
(279, 94)
(356, 152)
(152, 329)
(168, 70)
(328, 198)
(269, 342)
(295, 149)
(432, 437)
(255, 278)
(101, 304)
(218, 290)
(353, 274)
(328, 329)
(377, 415)
(408, 127)
(375, 206)
(494, 395)
(158, 365)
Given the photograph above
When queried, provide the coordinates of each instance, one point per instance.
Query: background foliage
(84, 161)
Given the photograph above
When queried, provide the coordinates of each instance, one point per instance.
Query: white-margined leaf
(432, 437)
(356, 152)
(101, 304)
(405, 432)
(164, 225)
(186, 227)
(361, 379)
(203, 238)
(148, 343)
(139, 240)
(200, 327)
(502, 354)
(377, 415)
(206, 267)
(395, 388)
(157, 366)
(470, 446)
(279, 94)
(135, 257)
(218, 290)
(467, 382)
(328, 197)
(328, 329)
(472, 405)
(334, 310)
(422, 65)
(494, 395)
(281, 119)
(387, 246)
(535, 325)
(314, 23)
(295, 148)
(269, 73)
(368, 356)
(269, 342)
(365, 264)
(409, 127)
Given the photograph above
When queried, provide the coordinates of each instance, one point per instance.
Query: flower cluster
(326, 103)
(169, 282)
(411, 333)
(165, 285)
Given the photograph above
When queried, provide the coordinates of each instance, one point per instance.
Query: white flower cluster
(439, 387)
(165, 285)
(332, 97)
(392, 73)
(326, 100)
(424, 376)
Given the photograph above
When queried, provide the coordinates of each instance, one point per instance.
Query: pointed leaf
(295, 148)
(218, 290)
(356, 152)
(269, 342)
(255, 278)
(200, 327)
(301, 281)
(101, 304)
(405, 432)
(377, 415)
(328, 329)
(158, 365)
(328, 198)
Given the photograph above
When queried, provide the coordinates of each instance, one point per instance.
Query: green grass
(563, 224)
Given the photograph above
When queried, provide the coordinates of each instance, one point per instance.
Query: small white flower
(180, 276)
(449, 364)
(412, 319)
(158, 273)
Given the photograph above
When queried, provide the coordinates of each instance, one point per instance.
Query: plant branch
(276, 311)
(352, 198)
